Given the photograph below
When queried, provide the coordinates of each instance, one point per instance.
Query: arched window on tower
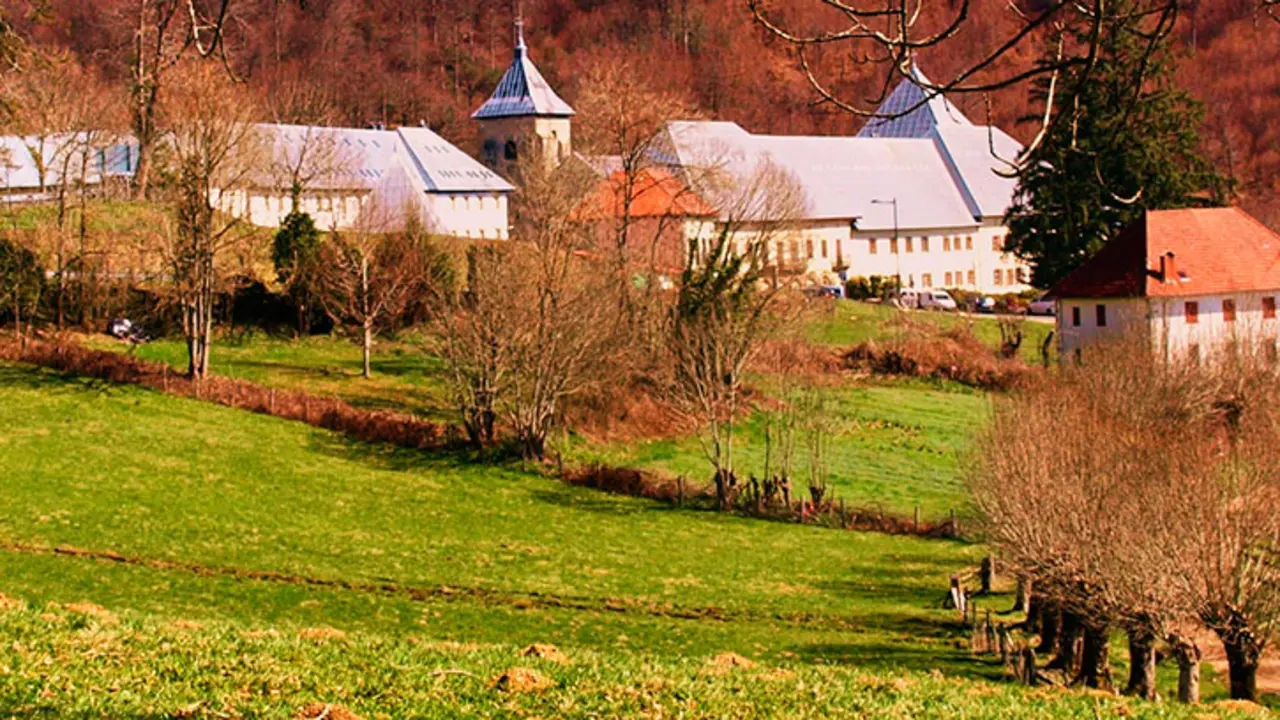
(510, 151)
(491, 151)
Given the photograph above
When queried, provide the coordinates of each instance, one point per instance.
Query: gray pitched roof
(979, 156)
(839, 176)
(915, 111)
(523, 92)
(362, 159)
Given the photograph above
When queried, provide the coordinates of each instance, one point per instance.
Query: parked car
(835, 291)
(936, 300)
(908, 298)
(124, 329)
(1042, 306)
(985, 304)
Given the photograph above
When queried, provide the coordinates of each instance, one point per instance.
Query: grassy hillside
(897, 443)
(202, 560)
(154, 668)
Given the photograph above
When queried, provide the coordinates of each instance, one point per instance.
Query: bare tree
(216, 152)
(1152, 506)
(167, 32)
(564, 337)
(472, 327)
(366, 275)
(66, 118)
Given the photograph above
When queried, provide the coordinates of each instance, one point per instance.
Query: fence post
(915, 521)
(680, 490)
(955, 527)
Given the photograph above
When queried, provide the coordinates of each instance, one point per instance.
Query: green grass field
(260, 530)
(897, 446)
(844, 323)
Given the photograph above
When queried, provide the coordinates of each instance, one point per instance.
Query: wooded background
(434, 62)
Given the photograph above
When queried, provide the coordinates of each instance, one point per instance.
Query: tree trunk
(1243, 654)
(987, 574)
(1187, 654)
(366, 348)
(1142, 664)
(1095, 660)
(1068, 637)
(1050, 626)
(1023, 602)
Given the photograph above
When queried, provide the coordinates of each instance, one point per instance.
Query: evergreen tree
(1123, 143)
(295, 254)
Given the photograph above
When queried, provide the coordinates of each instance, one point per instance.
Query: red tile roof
(655, 193)
(1213, 250)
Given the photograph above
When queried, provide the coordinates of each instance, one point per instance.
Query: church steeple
(524, 114)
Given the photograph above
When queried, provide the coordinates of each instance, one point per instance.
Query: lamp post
(897, 257)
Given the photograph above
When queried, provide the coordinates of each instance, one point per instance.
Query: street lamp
(897, 257)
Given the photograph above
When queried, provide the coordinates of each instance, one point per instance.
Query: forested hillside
(434, 61)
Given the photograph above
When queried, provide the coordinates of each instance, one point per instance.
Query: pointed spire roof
(523, 92)
(928, 114)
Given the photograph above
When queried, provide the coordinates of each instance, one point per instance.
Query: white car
(1042, 306)
(936, 300)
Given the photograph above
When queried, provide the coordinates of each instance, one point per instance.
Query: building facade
(919, 197)
(1190, 280)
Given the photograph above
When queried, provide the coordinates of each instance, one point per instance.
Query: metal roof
(362, 159)
(445, 168)
(523, 92)
(915, 110)
(978, 156)
(839, 176)
(19, 170)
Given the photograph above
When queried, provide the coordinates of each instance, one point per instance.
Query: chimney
(1168, 268)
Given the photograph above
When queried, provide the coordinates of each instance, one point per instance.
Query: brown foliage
(950, 354)
(329, 413)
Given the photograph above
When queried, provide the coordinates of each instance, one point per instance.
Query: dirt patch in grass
(99, 613)
(522, 679)
(546, 652)
(325, 711)
(321, 633)
(732, 660)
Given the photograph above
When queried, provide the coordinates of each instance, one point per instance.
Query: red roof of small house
(1202, 251)
(654, 193)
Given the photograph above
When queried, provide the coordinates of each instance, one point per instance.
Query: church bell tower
(524, 118)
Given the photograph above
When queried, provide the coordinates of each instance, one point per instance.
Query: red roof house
(1193, 277)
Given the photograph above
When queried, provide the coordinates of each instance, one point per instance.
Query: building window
(908, 244)
(1269, 308)
(959, 277)
(968, 242)
(911, 281)
(1075, 316)
(924, 244)
(1228, 310)
(871, 246)
(998, 276)
(808, 249)
(1100, 314)
(946, 244)
(839, 252)
(926, 280)
(793, 249)
(1008, 276)
(893, 246)
(1192, 312)
(947, 280)
(824, 249)
(973, 278)
(995, 243)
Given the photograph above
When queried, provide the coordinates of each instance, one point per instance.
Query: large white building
(1191, 280)
(353, 178)
(920, 196)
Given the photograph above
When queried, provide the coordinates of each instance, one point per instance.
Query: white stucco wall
(960, 257)
(1166, 319)
(470, 215)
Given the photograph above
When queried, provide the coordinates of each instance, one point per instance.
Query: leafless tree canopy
(1145, 494)
(216, 150)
